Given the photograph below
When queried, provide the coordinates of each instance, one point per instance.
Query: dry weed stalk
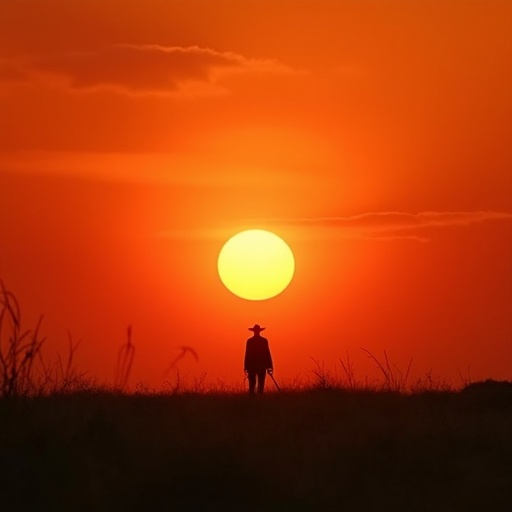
(57, 377)
(23, 370)
(124, 361)
(18, 348)
(347, 365)
(394, 378)
(323, 377)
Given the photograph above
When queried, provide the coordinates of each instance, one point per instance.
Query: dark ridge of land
(300, 451)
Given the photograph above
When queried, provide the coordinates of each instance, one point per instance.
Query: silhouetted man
(257, 359)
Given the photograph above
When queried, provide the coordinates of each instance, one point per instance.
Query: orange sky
(374, 136)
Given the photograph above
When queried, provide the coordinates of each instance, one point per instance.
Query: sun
(256, 264)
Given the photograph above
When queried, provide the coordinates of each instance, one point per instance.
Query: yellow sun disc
(256, 264)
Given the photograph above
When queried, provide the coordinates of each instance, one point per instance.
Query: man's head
(256, 329)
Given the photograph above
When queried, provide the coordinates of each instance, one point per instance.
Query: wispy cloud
(390, 225)
(380, 226)
(148, 69)
(394, 220)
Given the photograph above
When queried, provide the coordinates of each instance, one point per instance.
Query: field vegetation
(310, 450)
(67, 444)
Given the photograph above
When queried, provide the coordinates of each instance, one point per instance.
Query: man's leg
(252, 381)
(261, 381)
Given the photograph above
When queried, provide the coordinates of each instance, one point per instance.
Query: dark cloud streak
(143, 69)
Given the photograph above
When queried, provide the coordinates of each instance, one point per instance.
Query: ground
(316, 450)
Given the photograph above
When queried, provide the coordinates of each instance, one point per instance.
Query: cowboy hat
(256, 328)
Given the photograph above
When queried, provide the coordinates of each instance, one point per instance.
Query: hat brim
(259, 329)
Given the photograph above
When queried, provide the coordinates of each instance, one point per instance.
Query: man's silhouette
(258, 359)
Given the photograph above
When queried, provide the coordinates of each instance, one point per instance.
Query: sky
(374, 136)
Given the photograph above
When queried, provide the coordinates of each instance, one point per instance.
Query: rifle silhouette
(271, 373)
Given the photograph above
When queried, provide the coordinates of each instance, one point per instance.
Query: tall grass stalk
(125, 361)
(394, 378)
(18, 348)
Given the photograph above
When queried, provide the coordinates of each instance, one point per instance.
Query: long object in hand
(277, 385)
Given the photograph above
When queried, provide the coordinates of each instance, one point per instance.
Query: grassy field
(311, 450)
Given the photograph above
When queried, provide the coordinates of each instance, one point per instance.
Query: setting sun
(256, 264)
